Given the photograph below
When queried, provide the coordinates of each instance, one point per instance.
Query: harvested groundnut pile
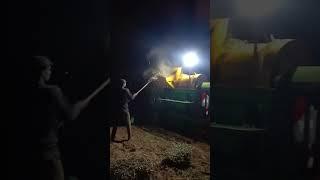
(132, 168)
(154, 153)
(178, 156)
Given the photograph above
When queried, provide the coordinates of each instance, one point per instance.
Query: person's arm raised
(149, 81)
(102, 86)
(130, 95)
(71, 111)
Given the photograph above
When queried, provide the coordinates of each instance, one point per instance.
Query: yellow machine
(177, 79)
(239, 62)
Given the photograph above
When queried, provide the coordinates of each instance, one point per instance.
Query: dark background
(293, 19)
(89, 41)
(281, 157)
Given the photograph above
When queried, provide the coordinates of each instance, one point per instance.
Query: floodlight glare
(190, 59)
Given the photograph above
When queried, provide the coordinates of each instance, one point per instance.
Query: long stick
(92, 95)
(143, 87)
(150, 80)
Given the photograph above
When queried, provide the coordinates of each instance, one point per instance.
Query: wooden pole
(143, 87)
(94, 93)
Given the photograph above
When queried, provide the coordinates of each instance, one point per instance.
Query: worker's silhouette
(121, 107)
(48, 109)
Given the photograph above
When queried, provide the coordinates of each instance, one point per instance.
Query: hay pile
(158, 154)
(178, 156)
(132, 168)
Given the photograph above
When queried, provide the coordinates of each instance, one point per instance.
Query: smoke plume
(159, 61)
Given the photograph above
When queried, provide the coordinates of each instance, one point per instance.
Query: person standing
(122, 108)
(49, 108)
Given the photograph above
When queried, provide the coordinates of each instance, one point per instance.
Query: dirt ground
(153, 142)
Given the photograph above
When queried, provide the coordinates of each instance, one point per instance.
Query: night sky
(143, 25)
(94, 39)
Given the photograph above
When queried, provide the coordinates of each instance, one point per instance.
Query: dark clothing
(45, 116)
(121, 110)
(125, 98)
(123, 118)
(50, 152)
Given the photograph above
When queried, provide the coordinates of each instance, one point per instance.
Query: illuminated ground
(152, 143)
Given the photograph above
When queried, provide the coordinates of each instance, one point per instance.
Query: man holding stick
(122, 108)
(48, 110)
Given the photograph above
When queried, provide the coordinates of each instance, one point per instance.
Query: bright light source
(190, 59)
(257, 8)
